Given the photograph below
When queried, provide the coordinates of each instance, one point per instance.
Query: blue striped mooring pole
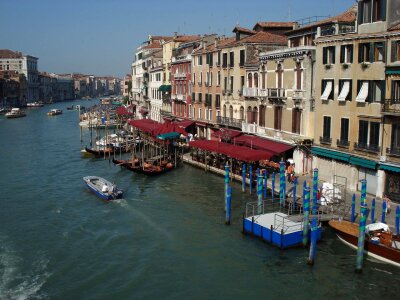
(265, 183)
(251, 177)
(243, 177)
(294, 194)
(226, 184)
(228, 206)
(313, 245)
(397, 220)
(361, 239)
(315, 189)
(306, 213)
(353, 208)
(373, 204)
(363, 191)
(259, 193)
(273, 187)
(281, 182)
(384, 207)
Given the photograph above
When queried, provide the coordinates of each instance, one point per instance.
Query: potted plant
(327, 67)
(364, 65)
(345, 66)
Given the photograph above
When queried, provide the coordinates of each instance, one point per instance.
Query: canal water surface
(165, 240)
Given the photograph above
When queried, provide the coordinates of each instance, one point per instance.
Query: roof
(186, 38)
(256, 142)
(348, 16)
(145, 125)
(6, 53)
(394, 28)
(275, 24)
(244, 30)
(154, 45)
(265, 37)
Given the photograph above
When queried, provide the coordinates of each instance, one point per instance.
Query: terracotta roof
(155, 45)
(394, 28)
(264, 37)
(348, 16)
(186, 38)
(244, 30)
(160, 37)
(6, 53)
(275, 24)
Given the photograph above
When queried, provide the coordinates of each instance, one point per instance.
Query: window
(200, 60)
(200, 97)
(395, 142)
(327, 127)
(241, 83)
(225, 83)
(200, 116)
(363, 132)
(364, 53)
(219, 78)
(344, 90)
(201, 78)
(242, 57)
(231, 59)
(344, 130)
(395, 53)
(231, 83)
(346, 54)
(379, 51)
(209, 59)
(368, 135)
(395, 90)
(370, 91)
(193, 97)
(374, 134)
(224, 60)
(219, 59)
(278, 117)
(327, 89)
(296, 118)
(218, 101)
(328, 56)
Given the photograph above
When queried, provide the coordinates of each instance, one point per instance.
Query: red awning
(167, 128)
(226, 134)
(122, 110)
(145, 125)
(185, 123)
(236, 152)
(256, 142)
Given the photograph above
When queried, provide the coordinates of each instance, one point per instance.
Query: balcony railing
(326, 140)
(276, 93)
(391, 106)
(393, 151)
(229, 121)
(180, 75)
(328, 30)
(180, 97)
(297, 94)
(367, 147)
(343, 143)
(250, 92)
(346, 28)
(228, 92)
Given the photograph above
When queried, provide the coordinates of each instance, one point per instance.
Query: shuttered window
(327, 127)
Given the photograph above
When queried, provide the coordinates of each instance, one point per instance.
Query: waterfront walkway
(390, 219)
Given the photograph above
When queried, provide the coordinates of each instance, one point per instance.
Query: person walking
(388, 201)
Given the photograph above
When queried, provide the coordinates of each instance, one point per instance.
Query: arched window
(231, 112)
(224, 111)
(263, 77)
(279, 73)
(255, 113)
(250, 80)
(249, 115)
(261, 116)
(241, 113)
(256, 80)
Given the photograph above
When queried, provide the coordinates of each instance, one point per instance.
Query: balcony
(343, 143)
(229, 121)
(325, 140)
(393, 151)
(391, 107)
(179, 97)
(367, 147)
(298, 95)
(180, 75)
(166, 111)
(250, 92)
(347, 28)
(227, 92)
(272, 93)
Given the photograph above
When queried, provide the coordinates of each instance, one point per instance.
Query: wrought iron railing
(391, 106)
(395, 151)
(229, 121)
(342, 143)
(325, 140)
(367, 147)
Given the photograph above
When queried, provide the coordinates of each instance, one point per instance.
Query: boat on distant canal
(379, 243)
(103, 188)
(55, 112)
(15, 113)
(35, 104)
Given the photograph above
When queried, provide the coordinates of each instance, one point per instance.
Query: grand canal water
(165, 240)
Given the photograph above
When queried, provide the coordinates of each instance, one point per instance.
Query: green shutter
(383, 10)
(360, 13)
(393, 51)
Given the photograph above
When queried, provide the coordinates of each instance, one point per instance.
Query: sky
(100, 37)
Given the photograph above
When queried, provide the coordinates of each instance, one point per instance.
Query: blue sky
(100, 36)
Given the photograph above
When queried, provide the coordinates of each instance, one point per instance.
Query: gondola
(147, 169)
(100, 151)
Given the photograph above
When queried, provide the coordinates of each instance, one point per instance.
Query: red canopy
(226, 134)
(185, 123)
(167, 128)
(256, 142)
(236, 152)
(122, 110)
(145, 125)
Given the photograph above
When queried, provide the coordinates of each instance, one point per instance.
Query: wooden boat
(100, 151)
(380, 244)
(54, 112)
(15, 113)
(103, 188)
(146, 168)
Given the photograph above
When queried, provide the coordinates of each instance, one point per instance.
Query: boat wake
(17, 281)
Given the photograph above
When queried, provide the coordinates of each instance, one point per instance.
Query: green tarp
(391, 168)
(331, 154)
(165, 88)
(362, 162)
(169, 135)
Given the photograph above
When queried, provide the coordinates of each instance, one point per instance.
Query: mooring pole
(363, 191)
(226, 184)
(251, 177)
(373, 211)
(397, 220)
(265, 183)
(228, 207)
(353, 208)
(361, 240)
(294, 194)
(384, 207)
(313, 245)
(306, 213)
(273, 187)
(315, 189)
(243, 177)
(281, 183)
(259, 193)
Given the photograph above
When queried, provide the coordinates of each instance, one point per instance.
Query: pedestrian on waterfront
(387, 200)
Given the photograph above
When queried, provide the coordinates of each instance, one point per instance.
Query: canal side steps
(271, 222)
